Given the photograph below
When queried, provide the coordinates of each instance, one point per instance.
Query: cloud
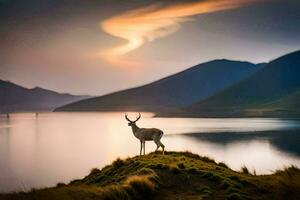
(149, 23)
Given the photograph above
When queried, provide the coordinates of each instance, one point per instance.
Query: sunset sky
(100, 46)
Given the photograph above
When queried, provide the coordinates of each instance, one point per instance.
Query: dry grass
(175, 175)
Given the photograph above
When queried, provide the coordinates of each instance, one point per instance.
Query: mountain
(181, 89)
(272, 89)
(16, 98)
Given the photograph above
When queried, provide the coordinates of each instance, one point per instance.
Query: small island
(175, 175)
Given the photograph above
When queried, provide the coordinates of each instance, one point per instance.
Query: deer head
(132, 122)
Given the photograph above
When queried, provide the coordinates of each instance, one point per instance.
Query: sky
(99, 46)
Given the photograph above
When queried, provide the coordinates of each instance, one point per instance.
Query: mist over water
(40, 151)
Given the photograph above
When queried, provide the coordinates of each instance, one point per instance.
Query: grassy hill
(176, 175)
(181, 89)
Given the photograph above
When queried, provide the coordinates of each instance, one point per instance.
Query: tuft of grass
(234, 196)
(188, 154)
(225, 184)
(146, 171)
(288, 183)
(174, 169)
(154, 178)
(61, 185)
(234, 178)
(288, 170)
(158, 166)
(95, 171)
(216, 178)
(221, 164)
(204, 189)
(74, 182)
(208, 174)
(207, 159)
(181, 165)
(244, 182)
(141, 186)
(231, 191)
(254, 172)
(192, 170)
(245, 170)
(134, 187)
(212, 176)
(238, 185)
(114, 192)
(118, 163)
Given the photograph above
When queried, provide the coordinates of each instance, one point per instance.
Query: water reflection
(58, 147)
(287, 141)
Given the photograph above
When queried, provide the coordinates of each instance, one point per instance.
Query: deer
(146, 134)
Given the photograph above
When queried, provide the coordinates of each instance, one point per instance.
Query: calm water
(59, 147)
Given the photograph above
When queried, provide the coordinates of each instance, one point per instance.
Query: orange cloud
(152, 22)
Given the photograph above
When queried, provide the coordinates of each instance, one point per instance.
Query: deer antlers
(137, 118)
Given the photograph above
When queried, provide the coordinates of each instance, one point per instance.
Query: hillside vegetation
(288, 102)
(176, 175)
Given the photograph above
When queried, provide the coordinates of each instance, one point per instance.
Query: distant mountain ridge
(14, 98)
(273, 89)
(178, 90)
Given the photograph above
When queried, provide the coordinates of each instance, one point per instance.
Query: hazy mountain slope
(181, 89)
(291, 101)
(276, 80)
(17, 98)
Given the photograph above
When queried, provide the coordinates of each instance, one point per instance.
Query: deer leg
(156, 147)
(141, 147)
(162, 146)
(157, 144)
(144, 147)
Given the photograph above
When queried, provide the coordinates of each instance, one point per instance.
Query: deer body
(146, 134)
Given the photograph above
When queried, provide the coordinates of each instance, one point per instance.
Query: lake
(40, 151)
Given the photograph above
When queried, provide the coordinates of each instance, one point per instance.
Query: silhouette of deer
(146, 134)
